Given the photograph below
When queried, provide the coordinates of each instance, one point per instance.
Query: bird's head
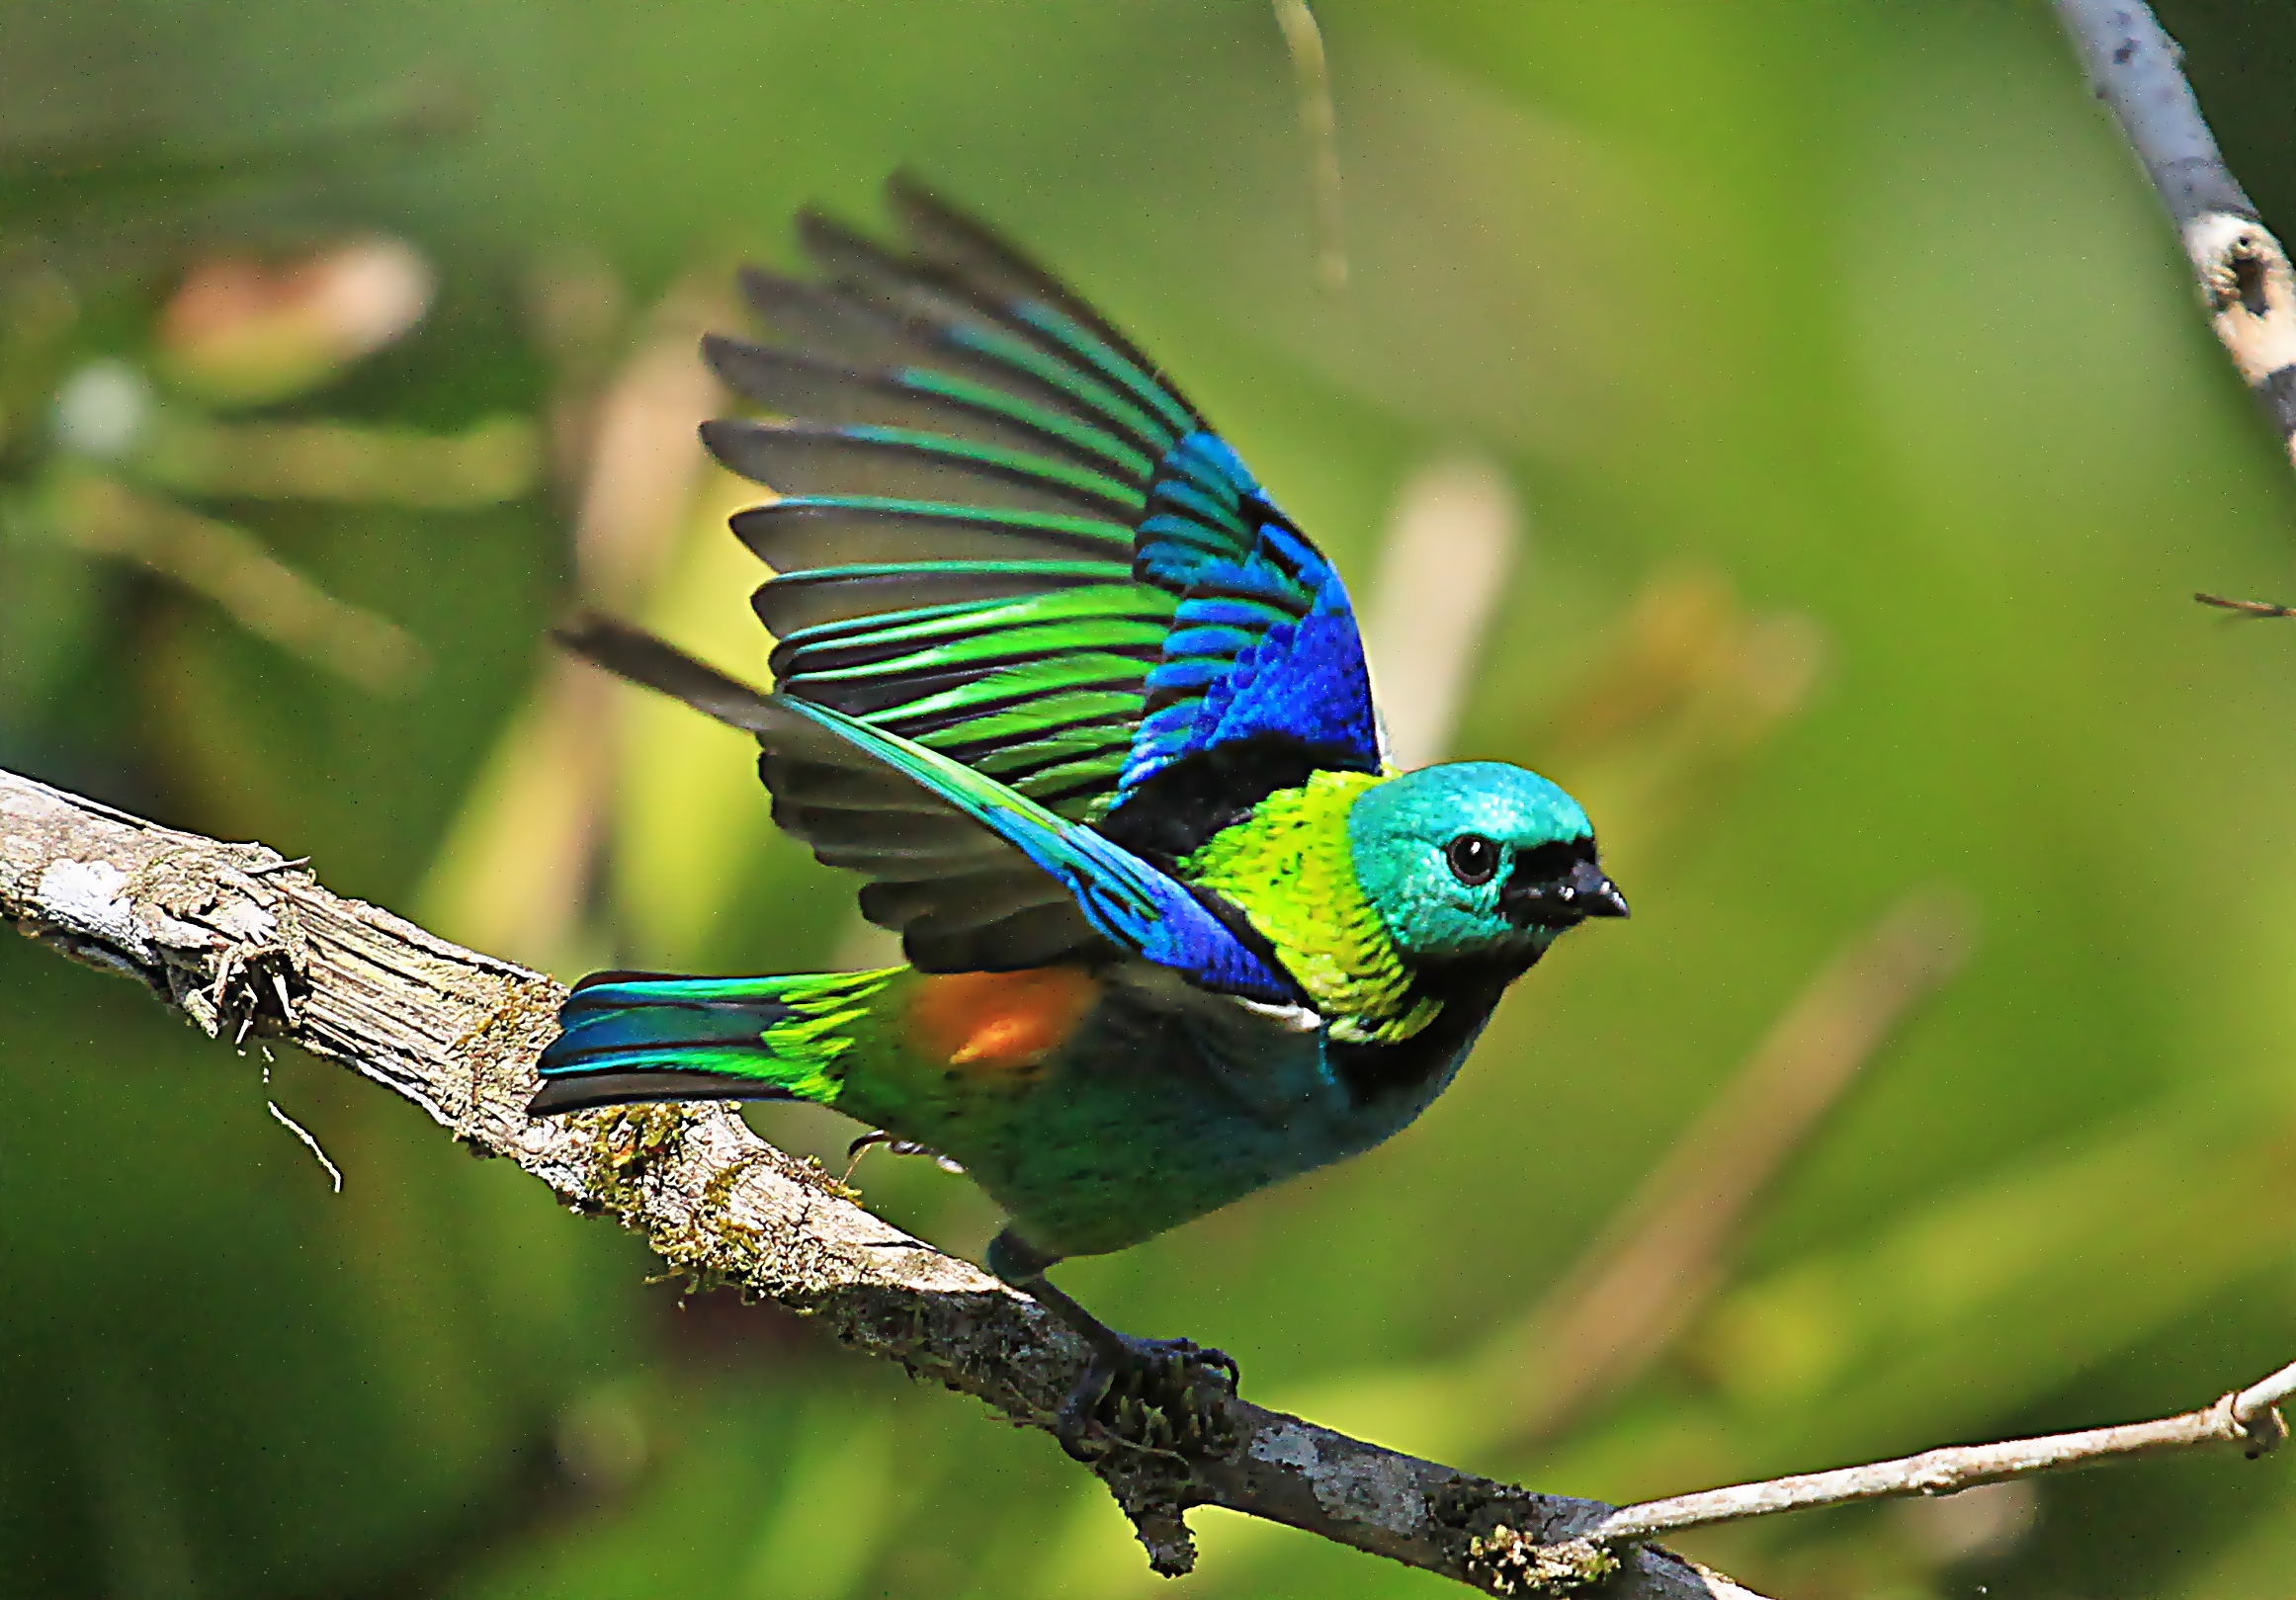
(1475, 861)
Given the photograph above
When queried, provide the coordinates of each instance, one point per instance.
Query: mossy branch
(246, 944)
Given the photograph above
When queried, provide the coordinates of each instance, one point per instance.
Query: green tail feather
(638, 1037)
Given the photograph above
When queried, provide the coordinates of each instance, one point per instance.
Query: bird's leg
(1162, 1394)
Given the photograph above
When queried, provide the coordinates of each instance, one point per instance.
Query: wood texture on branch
(247, 944)
(2136, 70)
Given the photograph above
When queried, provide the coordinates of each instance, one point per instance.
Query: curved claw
(1169, 1396)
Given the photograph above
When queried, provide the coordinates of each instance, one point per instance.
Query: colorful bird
(1091, 717)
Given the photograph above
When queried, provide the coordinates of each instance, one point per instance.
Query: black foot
(1165, 1395)
(1169, 1396)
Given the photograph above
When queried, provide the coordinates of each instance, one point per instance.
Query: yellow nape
(1289, 870)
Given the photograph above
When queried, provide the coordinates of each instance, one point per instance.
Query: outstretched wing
(1004, 537)
(948, 809)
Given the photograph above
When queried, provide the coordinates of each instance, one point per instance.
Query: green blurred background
(1863, 444)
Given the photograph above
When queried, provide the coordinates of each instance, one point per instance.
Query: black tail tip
(588, 1091)
(558, 1095)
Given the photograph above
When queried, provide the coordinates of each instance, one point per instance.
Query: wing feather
(982, 830)
(806, 459)
(1003, 537)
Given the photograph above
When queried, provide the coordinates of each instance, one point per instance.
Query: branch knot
(1506, 1561)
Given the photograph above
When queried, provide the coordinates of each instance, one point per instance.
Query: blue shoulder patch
(1264, 641)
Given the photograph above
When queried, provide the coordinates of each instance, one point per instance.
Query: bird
(1090, 715)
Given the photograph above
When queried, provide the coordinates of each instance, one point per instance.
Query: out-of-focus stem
(1637, 1285)
(230, 566)
(1319, 121)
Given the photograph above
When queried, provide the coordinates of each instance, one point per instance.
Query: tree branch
(243, 942)
(2244, 278)
(2246, 1419)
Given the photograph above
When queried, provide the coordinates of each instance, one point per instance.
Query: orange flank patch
(998, 1022)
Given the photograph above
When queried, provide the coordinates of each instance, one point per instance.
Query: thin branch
(2253, 609)
(2244, 278)
(245, 949)
(309, 1143)
(2266, 1394)
(2236, 1419)
(237, 944)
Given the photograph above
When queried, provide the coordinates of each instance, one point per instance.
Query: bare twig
(2263, 1395)
(309, 1141)
(2236, 1419)
(2245, 277)
(2245, 608)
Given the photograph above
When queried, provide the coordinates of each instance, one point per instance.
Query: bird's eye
(1474, 859)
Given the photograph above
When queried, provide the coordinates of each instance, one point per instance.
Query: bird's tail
(628, 1036)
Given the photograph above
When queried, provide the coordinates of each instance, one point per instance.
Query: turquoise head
(1477, 860)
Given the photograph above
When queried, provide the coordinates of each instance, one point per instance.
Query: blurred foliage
(1870, 447)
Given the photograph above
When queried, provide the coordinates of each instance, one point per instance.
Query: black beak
(1593, 891)
(1585, 891)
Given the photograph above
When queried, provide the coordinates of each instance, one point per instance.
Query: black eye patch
(1551, 862)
